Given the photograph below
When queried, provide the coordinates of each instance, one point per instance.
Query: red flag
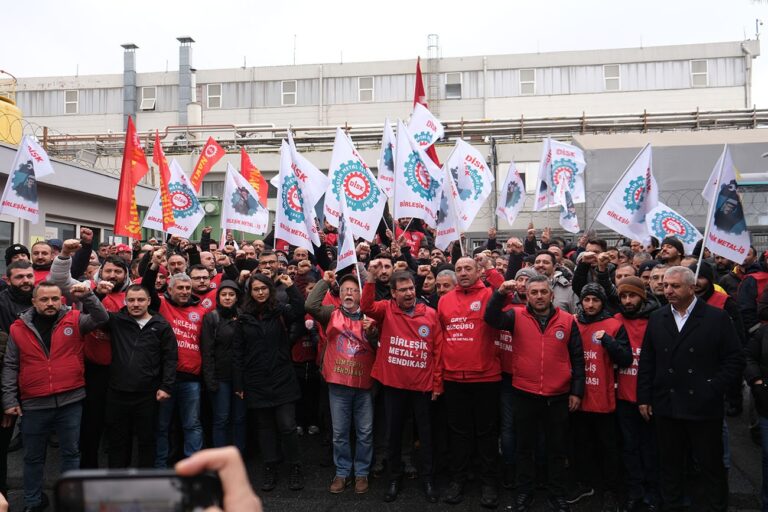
(158, 157)
(420, 97)
(253, 176)
(210, 154)
(133, 170)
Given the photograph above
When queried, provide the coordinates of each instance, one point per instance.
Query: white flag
(345, 252)
(541, 200)
(663, 221)
(472, 181)
(512, 197)
(636, 194)
(447, 229)
(424, 127)
(387, 160)
(417, 180)
(241, 209)
(350, 176)
(568, 218)
(561, 166)
(312, 180)
(20, 195)
(727, 234)
(187, 212)
(294, 216)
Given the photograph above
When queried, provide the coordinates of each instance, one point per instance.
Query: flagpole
(614, 185)
(711, 211)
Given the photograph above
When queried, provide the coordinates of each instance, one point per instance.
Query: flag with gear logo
(186, 209)
(417, 180)
(20, 197)
(561, 168)
(471, 179)
(512, 197)
(425, 129)
(663, 221)
(241, 206)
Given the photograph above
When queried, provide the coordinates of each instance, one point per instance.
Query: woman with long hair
(264, 374)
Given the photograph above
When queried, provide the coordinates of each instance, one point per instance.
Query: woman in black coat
(264, 372)
(756, 375)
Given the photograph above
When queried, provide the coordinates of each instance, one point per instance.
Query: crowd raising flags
(446, 197)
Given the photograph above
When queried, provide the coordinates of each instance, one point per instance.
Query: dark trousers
(639, 452)
(131, 414)
(6, 433)
(276, 428)
(533, 415)
(704, 438)
(94, 408)
(398, 404)
(307, 406)
(472, 409)
(596, 449)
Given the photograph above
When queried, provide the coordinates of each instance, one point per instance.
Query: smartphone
(136, 490)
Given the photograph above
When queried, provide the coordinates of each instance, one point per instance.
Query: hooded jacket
(216, 338)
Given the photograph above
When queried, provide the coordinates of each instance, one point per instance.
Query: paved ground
(745, 478)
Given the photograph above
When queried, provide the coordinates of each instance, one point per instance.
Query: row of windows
(366, 92)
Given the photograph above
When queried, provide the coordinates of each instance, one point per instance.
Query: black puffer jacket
(757, 369)
(263, 368)
(216, 338)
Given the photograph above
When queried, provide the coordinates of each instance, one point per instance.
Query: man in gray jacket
(43, 377)
(564, 298)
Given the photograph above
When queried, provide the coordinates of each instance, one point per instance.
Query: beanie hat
(595, 290)
(632, 284)
(705, 271)
(674, 242)
(13, 250)
(648, 265)
(528, 271)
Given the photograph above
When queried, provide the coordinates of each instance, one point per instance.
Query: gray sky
(54, 37)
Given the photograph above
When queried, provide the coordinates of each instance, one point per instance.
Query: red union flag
(158, 157)
(253, 176)
(134, 168)
(210, 154)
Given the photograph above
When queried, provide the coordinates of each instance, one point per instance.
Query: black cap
(595, 290)
(674, 242)
(13, 250)
(705, 271)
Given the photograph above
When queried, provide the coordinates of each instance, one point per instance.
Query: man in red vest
(346, 365)
(548, 381)
(408, 365)
(472, 372)
(594, 425)
(44, 379)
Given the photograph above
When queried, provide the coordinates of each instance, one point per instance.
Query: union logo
(206, 303)
(193, 316)
(424, 331)
(183, 200)
(361, 192)
(475, 306)
(634, 194)
(423, 139)
(211, 150)
(68, 331)
(418, 179)
(563, 171)
(388, 160)
(595, 340)
(560, 335)
(292, 199)
(667, 223)
(473, 174)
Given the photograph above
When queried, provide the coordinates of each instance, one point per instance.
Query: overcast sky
(54, 37)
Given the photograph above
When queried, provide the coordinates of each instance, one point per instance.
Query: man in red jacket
(472, 372)
(548, 381)
(409, 367)
(44, 378)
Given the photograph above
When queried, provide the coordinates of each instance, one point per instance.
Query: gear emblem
(292, 199)
(424, 138)
(418, 179)
(667, 223)
(389, 161)
(183, 200)
(358, 186)
(634, 194)
(564, 170)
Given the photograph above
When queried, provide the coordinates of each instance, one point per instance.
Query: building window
(212, 189)
(612, 77)
(365, 89)
(288, 92)
(453, 86)
(527, 82)
(6, 240)
(148, 98)
(70, 102)
(213, 95)
(699, 75)
(60, 230)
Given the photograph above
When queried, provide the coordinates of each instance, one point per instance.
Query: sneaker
(296, 478)
(559, 504)
(270, 479)
(338, 484)
(300, 431)
(489, 496)
(454, 494)
(523, 502)
(609, 502)
(361, 484)
(579, 492)
(313, 429)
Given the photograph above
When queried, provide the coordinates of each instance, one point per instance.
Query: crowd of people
(572, 369)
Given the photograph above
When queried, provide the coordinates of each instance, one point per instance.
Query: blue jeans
(228, 417)
(35, 429)
(187, 396)
(351, 404)
(764, 433)
(507, 421)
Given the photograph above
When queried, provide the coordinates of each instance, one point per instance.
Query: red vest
(40, 275)
(627, 378)
(504, 341)
(302, 349)
(97, 348)
(348, 358)
(762, 281)
(208, 300)
(600, 389)
(469, 349)
(61, 370)
(412, 238)
(186, 323)
(718, 299)
(216, 281)
(541, 362)
(328, 300)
